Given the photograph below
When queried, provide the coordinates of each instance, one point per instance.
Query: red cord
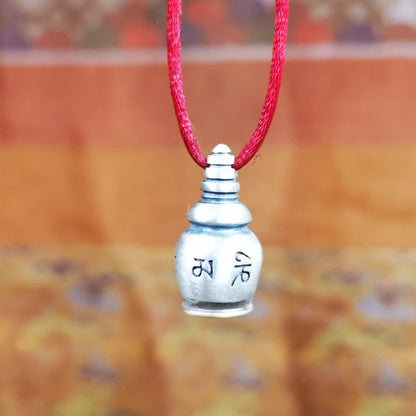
(177, 91)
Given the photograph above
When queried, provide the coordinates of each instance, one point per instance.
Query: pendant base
(217, 310)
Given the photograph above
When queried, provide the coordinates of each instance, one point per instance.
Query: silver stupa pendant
(218, 259)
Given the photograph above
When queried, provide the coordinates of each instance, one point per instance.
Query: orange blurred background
(95, 184)
(91, 150)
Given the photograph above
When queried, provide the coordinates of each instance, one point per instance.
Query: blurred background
(95, 184)
(135, 24)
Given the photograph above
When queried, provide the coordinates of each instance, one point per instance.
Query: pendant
(218, 259)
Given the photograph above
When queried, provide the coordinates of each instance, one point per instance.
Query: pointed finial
(220, 175)
(221, 148)
(221, 156)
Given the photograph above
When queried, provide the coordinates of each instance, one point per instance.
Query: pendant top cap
(219, 205)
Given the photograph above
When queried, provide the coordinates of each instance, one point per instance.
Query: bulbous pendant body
(218, 259)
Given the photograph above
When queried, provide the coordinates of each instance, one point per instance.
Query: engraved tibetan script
(244, 263)
(204, 266)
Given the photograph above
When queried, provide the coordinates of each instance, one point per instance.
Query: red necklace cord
(177, 90)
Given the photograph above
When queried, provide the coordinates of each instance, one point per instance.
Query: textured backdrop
(95, 184)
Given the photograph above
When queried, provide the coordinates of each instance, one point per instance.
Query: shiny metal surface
(218, 259)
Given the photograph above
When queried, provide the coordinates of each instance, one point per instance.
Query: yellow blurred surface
(89, 330)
